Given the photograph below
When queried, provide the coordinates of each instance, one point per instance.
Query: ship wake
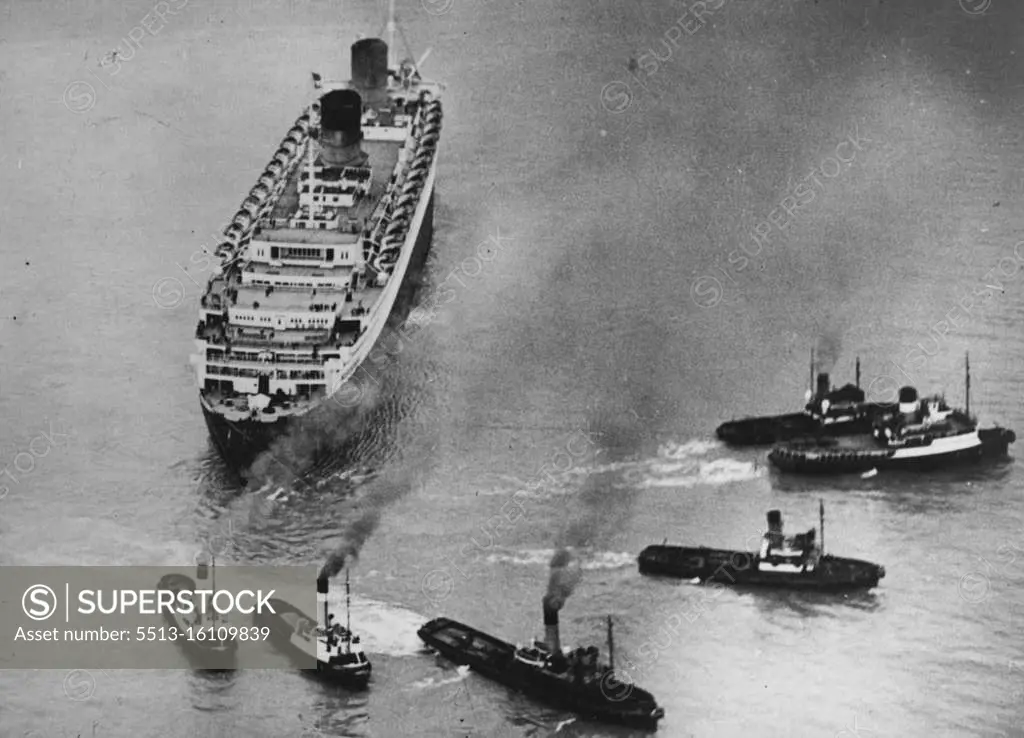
(589, 560)
(384, 628)
(461, 672)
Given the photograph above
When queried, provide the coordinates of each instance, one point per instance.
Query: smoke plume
(361, 515)
(828, 349)
(565, 575)
(319, 436)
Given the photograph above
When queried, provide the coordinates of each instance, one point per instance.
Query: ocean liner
(797, 562)
(925, 434)
(313, 261)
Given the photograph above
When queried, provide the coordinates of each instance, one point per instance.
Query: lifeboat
(288, 146)
(242, 219)
(267, 180)
(282, 156)
(259, 192)
(416, 176)
(251, 205)
(274, 169)
(386, 259)
(430, 137)
(406, 200)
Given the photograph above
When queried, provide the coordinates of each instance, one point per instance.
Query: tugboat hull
(355, 677)
(822, 459)
(604, 700)
(831, 574)
(205, 650)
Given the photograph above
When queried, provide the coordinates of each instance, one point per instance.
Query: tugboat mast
(611, 645)
(348, 606)
(967, 370)
(858, 372)
(821, 518)
(812, 370)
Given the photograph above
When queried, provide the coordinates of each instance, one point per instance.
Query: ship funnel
(341, 115)
(775, 528)
(823, 385)
(909, 404)
(370, 69)
(551, 628)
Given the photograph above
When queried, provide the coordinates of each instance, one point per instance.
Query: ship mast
(858, 372)
(391, 32)
(348, 611)
(812, 371)
(967, 370)
(611, 645)
(821, 519)
(213, 582)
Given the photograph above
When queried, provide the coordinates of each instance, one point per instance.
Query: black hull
(765, 431)
(609, 701)
(205, 655)
(356, 679)
(240, 443)
(832, 574)
(798, 460)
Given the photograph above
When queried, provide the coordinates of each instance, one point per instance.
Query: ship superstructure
(313, 261)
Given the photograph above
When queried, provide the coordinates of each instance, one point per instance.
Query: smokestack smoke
(827, 350)
(362, 516)
(565, 575)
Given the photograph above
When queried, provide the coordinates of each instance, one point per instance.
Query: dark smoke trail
(361, 518)
(828, 349)
(314, 437)
(565, 575)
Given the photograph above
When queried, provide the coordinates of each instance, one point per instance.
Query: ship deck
(383, 156)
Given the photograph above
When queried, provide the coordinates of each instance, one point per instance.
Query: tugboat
(789, 563)
(572, 680)
(925, 433)
(205, 639)
(339, 655)
(829, 412)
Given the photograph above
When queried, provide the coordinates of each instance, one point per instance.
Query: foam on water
(94, 542)
(694, 447)
(461, 673)
(590, 560)
(384, 628)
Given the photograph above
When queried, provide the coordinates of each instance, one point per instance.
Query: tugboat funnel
(823, 385)
(909, 403)
(775, 528)
(551, 628)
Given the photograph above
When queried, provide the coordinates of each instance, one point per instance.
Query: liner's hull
(240, 442)
(610, 701)
(800, 460)
(280, 631)
(832, 574)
